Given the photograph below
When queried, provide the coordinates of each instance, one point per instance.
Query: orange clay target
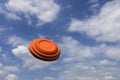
(44, 49)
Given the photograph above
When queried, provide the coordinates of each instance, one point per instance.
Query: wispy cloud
(44, 10)
(102, 27)
(93, 1)
(82, 63)
(75, 51)
(8, 71)
(48, 78)
(9, 15)
(14, 40)
(11, 77)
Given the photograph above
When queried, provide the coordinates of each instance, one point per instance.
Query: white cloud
(113, 52)
(6, 70)
(79, 71)
(80, 67)
(4, 56)
(28, 60)
(109, 77)
(75, 51)
(1, 65)
(0, 48)
(9, 15)
(1, 71)
(87, 71)
(55, 68)
(12, 16)
(84, 70)
(3, 29)
(45, 10)
(48, 78)
(93, 1)
(21, 51)
(15, 41)
(103, 27)
(29, 20)
(107, 63)
(94, 8)
(11, 77)
(11, 68)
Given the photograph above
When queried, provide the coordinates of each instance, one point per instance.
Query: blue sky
(87, 31)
